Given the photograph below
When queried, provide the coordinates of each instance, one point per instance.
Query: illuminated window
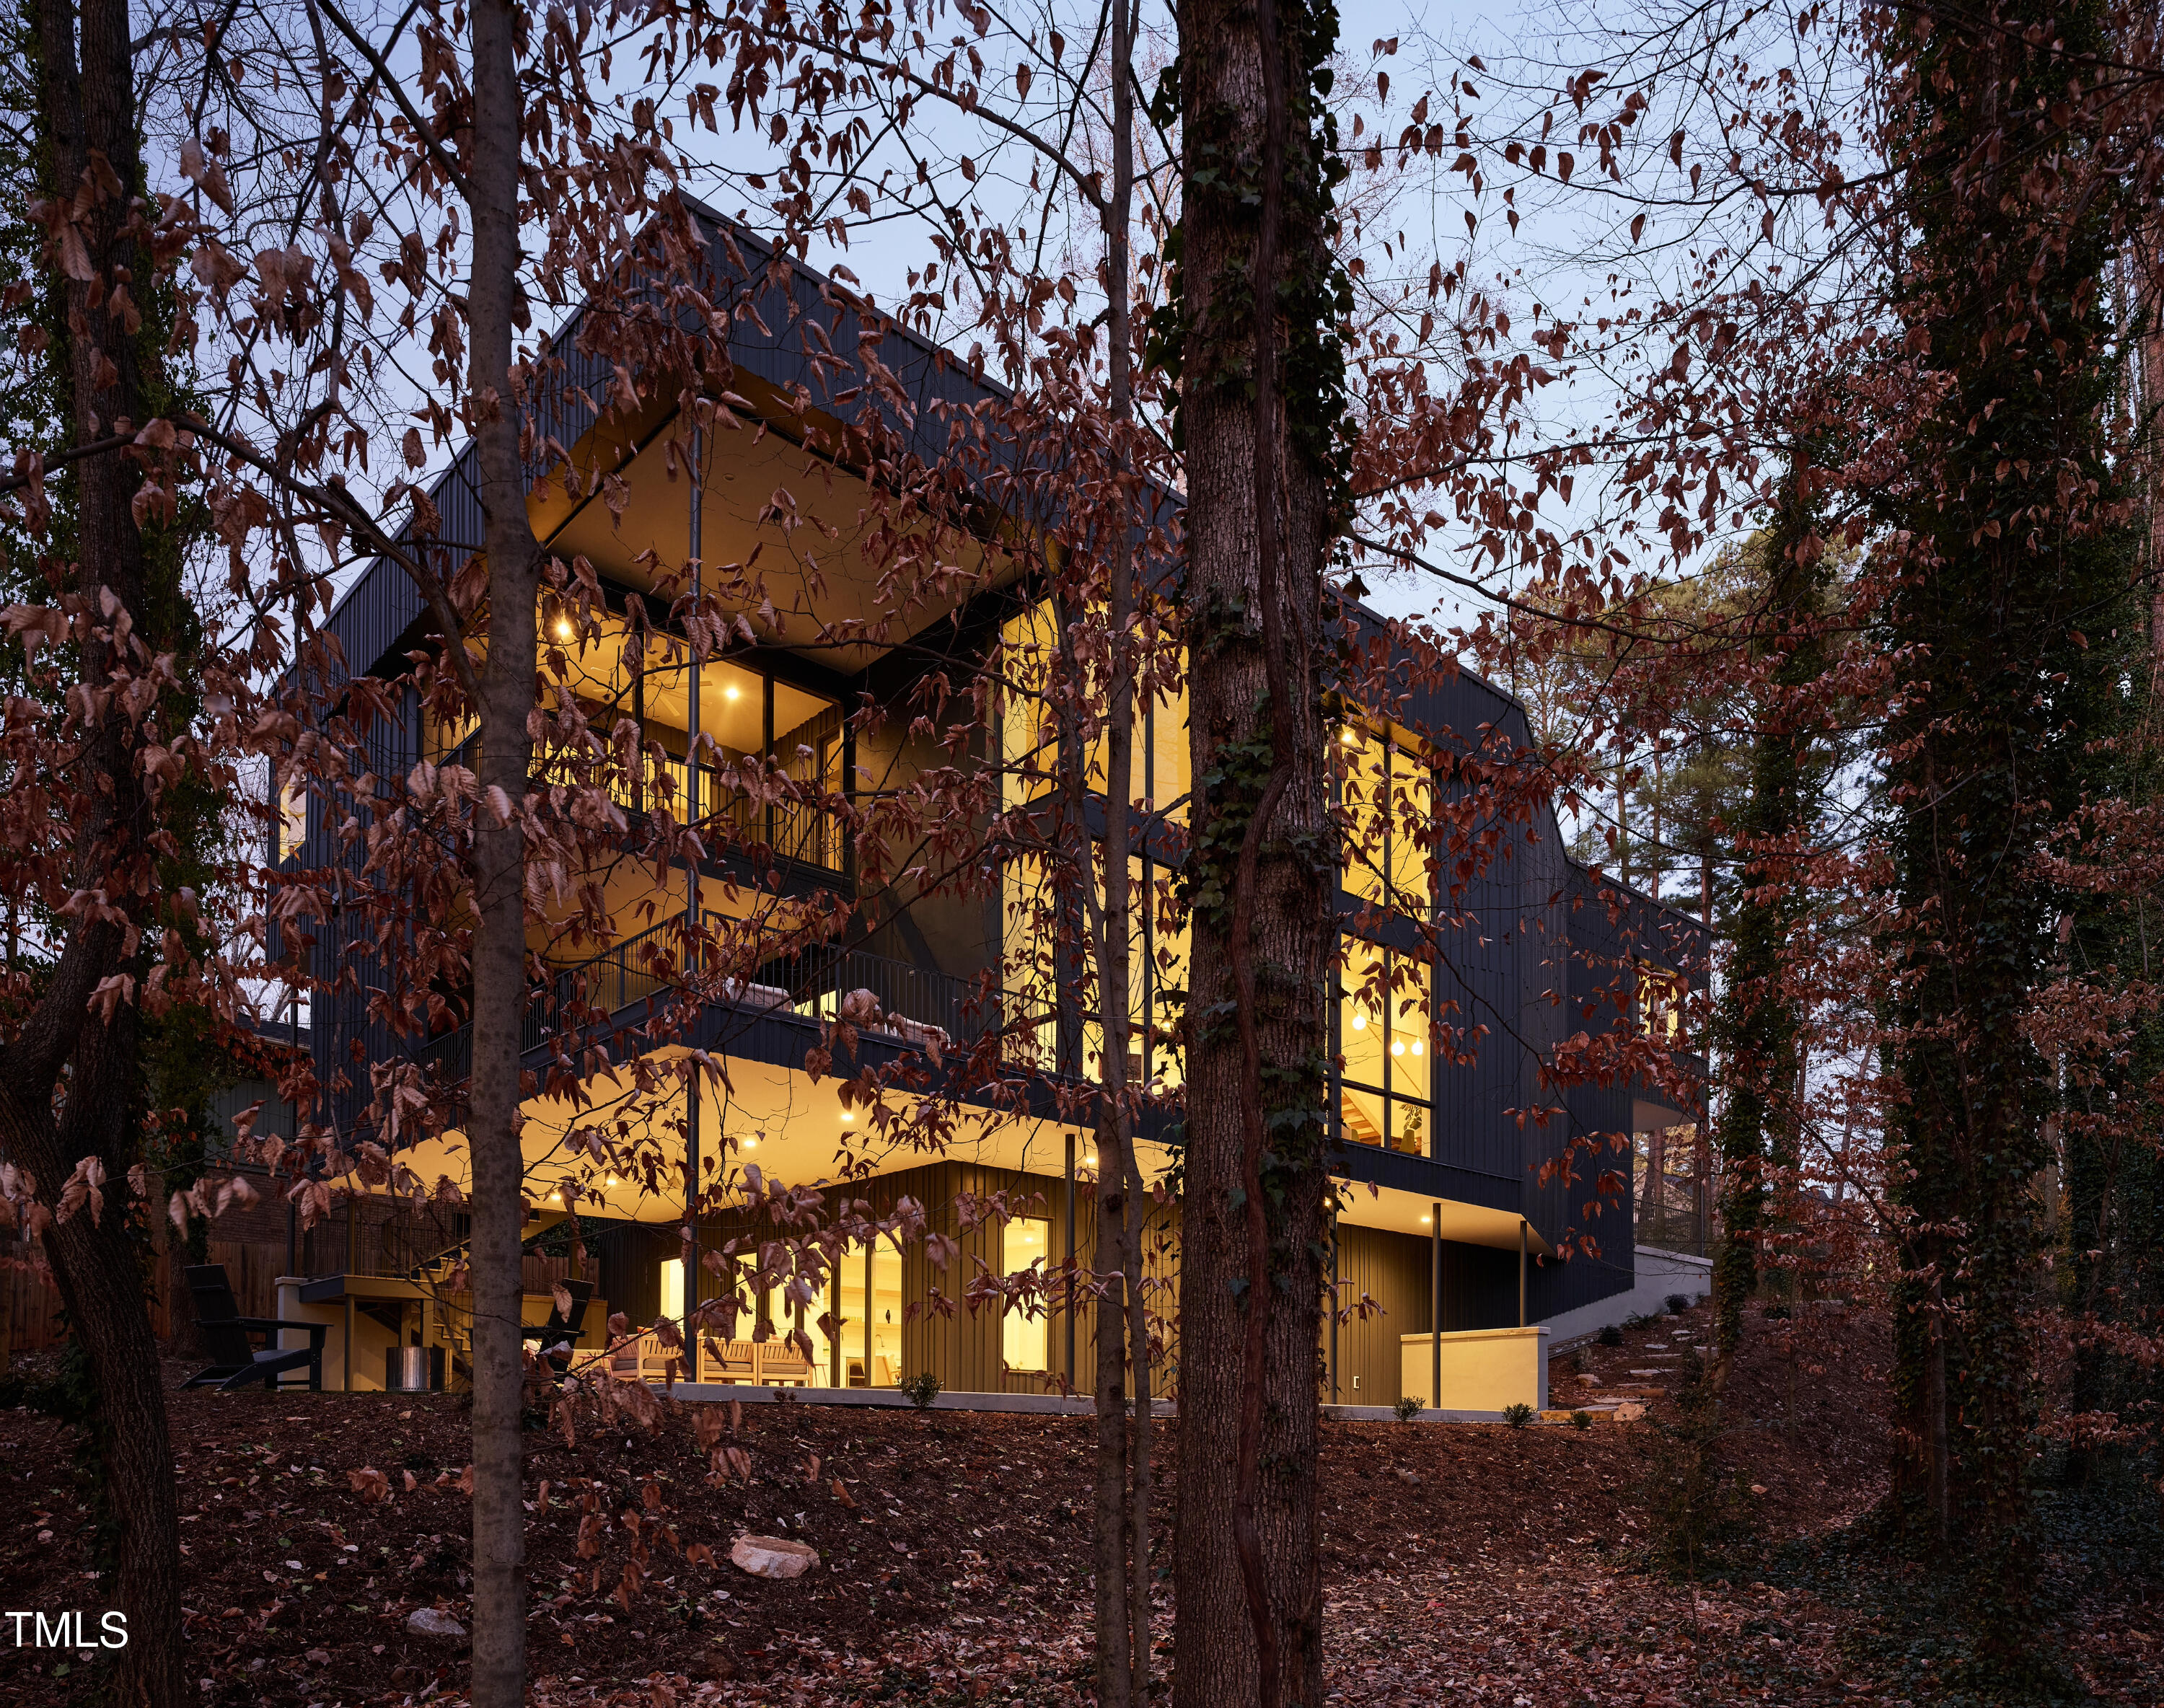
(1385, 1036)
(672, 1288)
(1025, 1338)
(1029, 726)
(1157, 976)
(742, 713)
(1661, 997)
(1387, 795)
(293, 817)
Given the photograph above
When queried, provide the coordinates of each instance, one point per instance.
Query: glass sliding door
(886, 1316)
(1026, 1332)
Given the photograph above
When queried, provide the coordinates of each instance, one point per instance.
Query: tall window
(672, 1290)
(1025, 1339)
(1385, 1027)
(1388, 793)
(1029, 727)
(1157, 975)
(1660, 1004)
(744, 714)
(293, 817)
(1384, 1032)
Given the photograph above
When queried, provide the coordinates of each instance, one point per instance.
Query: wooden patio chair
(739, 1363)
(240, 1363)
(645, 1360)
(781, 1361)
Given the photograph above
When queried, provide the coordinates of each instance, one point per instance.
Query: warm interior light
(555, 1197)
(731, 691)
(1352, 738)
(612, 1179)
(1418, 1047)
(748, 1143)
(1360, 1022)
(848, 1116)
(1424, 1222)
(1397, 1046)
(564, 629)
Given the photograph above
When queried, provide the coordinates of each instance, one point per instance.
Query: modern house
(1446, 1223)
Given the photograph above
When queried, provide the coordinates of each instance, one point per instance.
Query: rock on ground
(773, 1556)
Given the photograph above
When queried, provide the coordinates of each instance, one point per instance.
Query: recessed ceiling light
(848, 1116)
(732, 692)
(1424, 1220)
(749, 1143)
(564, 629)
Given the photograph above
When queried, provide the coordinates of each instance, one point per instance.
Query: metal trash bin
(413, 1369)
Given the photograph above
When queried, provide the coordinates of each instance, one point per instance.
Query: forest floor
(1528, 1568)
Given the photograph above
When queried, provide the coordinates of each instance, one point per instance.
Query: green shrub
(1581, 1419)
(921, 1391)
(1519, 1416)
(1610, 1336)
(1408, 1408)
(1678, 1303)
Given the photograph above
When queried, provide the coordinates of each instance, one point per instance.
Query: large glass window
(1661, 996)
(1385, 1036)
(1029, 726)
(848, 1296)
(1025, 1339)
(1387, 794)
(1157, 974)
(886, 1316)
(744, 711)
(292, 829)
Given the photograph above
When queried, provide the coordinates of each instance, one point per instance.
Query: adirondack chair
(241, 1364)
(557, 1334)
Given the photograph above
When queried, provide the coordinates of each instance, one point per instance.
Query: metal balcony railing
(646, 969)
(818, 979)
(796, 830)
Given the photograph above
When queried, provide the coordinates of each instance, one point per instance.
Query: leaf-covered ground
(1469, 1563)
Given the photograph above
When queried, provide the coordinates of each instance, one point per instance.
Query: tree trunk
(88, 118)
(1114, 1629)
(499, 953)
(1261, 865)
(1991, 747)
(1116, 940)
(1760, 1025)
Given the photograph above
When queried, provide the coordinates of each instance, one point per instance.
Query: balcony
(794, 830)
(615, 989)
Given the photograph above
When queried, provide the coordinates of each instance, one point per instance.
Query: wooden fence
(29, 1303)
